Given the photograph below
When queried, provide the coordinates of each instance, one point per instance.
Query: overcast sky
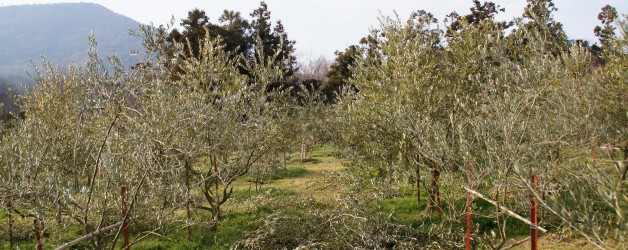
(321, 27)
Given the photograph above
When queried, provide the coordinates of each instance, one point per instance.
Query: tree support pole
(468, 234)
(125, 223)
(58, 215)
(187, 200)
(89, 236)
(505, 209)
(534, 231)
(418, 184)
(217, 215)
(437, 192)
(37, 234)
(10, 218)
(417, 169)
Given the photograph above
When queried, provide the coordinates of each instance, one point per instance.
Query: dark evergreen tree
(340, 72)
(194, 30)
(240, 37)
(273, 41)
(234, 30)
(480, 12)
(539, 14)
(606, 32)
(261, 28)
(607, 16)
(285, 53)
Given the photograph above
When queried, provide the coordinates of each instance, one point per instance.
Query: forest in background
(437, 120)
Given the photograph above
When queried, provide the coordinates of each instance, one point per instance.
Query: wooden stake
(505, 209)
(431, 192)
(534, 231)
(217, 215)
(418, 183)
(59, 216)
(125, 224)
(593, 146)
(437, 192)
(37, 234)
(187, 199)
(303, 150)
(10, 218)
(468, 235)
(89, 236)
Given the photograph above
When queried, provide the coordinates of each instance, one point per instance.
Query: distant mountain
(6, 97)
(60, 32)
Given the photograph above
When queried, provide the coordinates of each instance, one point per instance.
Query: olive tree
(92, 130)
(424, 103)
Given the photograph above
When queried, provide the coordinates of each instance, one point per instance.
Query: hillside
(60, 32)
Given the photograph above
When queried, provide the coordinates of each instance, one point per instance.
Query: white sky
(321, 27)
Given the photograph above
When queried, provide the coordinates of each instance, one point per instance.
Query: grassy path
(303, 179)
(311, 183)
(244, 213)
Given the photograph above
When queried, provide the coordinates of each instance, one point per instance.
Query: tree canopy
(256, 39)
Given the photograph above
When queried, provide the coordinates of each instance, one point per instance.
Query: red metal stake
(125, 224)
(440, 209)
(468, 236)
(187, 201)
(59, 215)
(217, 217)
(37, 234)
(534, 231)
(10, 217)
(432, 191)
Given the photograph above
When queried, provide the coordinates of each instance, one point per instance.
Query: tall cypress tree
(239, 36)
(539, 14)
(274, 40)
(606, 32)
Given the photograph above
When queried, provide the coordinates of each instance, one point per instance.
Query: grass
(404, 210)
(299, 179)
(323, 151)
(293, 172)
(243, 212)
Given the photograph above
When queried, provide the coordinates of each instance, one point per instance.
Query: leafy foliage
(240, 36)
(427, 106)
(89, 132)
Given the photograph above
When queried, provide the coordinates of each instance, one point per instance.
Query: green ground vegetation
(306, 197)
